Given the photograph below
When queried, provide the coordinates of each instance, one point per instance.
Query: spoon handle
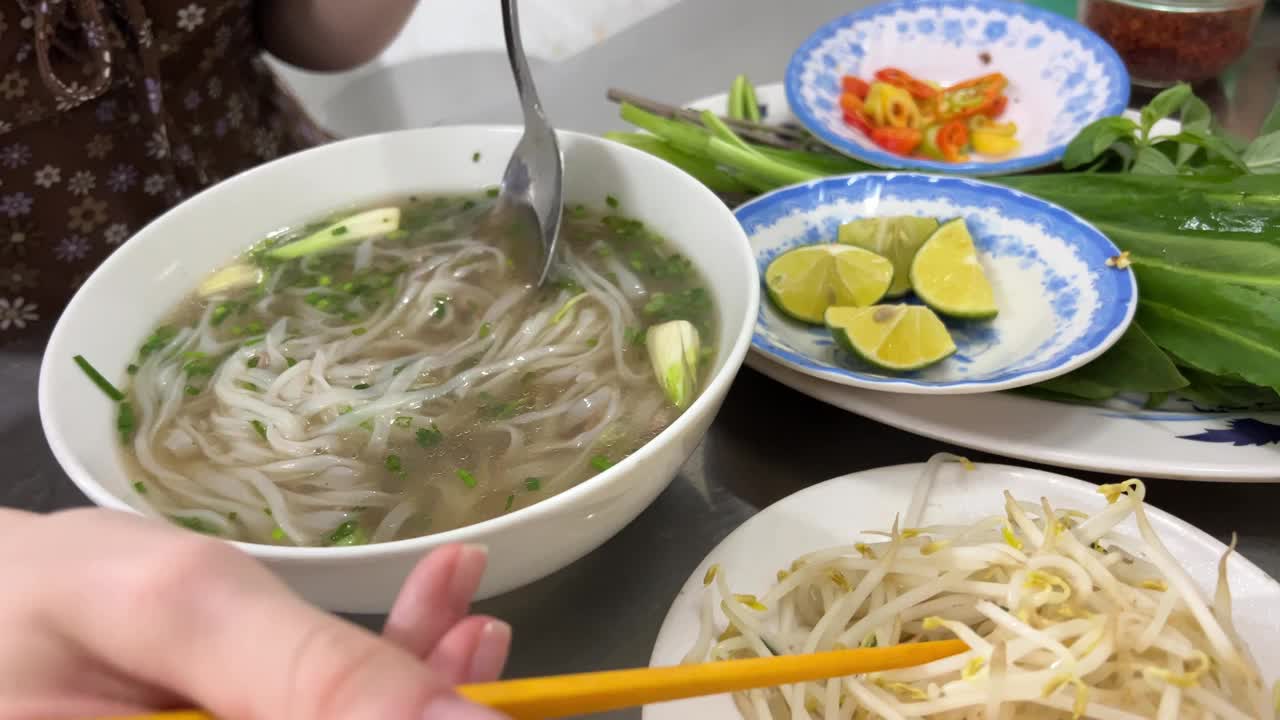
(520, 65)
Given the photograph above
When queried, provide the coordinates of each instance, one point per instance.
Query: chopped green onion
(533, 484)
(290, 361)
(96, 377)
(351, 230)
(611, 201)
(233, 516)
(360, 386)
(475, 157)
(359, 331)
(131, 369)
(343, 410)
(399, 369)
(511, 499)
(441, 304)
(367, 425)
(159, 338)
(633, 336)
(248, 386)
(277, 533)
(260, 427)
(402, 422)
(192, 390)
(392, 463)
(601, 463)
(233, 277)
(193, 523)
(348, 533)
(564, 309)
(467, 478)
(429, 437)
(125, 421)
(253, 362)
(592, 342)
(492, 192)
(140, 488)
(485, 329)
(674, 352)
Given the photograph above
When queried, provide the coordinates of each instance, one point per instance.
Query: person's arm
(330, 35)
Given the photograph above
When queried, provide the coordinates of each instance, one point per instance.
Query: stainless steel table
(604, 611)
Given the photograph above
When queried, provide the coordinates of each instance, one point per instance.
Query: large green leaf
(1243, 262)
(1134, 364)
(1217, 327)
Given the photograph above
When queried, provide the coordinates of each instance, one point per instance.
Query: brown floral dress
(112, 111)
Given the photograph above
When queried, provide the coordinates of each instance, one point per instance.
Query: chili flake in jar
(1163, 43)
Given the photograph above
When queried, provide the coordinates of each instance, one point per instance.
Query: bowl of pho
(342, 359)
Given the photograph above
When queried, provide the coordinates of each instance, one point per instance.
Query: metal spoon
(533, 184)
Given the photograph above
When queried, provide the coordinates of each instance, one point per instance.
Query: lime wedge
(897, 338)
(896, 238)
(806, 281)
(947, 276)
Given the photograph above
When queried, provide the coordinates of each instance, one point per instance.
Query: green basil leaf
(1262, 157)
(1150, 161)
(1163, 105)
(1195, 117)
(1214, 147)
(1095, 138)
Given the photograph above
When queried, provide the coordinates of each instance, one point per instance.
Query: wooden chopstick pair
(579, 694)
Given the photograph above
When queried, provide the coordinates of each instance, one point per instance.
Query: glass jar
(1163, 42)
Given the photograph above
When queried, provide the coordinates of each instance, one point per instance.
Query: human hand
(108, 614)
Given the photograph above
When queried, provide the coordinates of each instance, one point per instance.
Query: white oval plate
(1181, 443)
(1061, 304)
(834, 512)
(1061, 75)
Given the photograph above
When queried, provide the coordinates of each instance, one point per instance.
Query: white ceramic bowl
(139, 284)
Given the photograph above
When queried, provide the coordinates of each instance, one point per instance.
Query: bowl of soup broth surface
(342, 359)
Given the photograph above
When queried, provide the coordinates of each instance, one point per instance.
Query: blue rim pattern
(1118, 296)
(1116, 102)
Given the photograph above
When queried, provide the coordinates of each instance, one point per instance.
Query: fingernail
(491, 652)
(466, 574)
(452, 707)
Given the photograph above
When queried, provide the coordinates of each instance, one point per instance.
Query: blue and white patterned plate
(1061, 75)
(1060, 304)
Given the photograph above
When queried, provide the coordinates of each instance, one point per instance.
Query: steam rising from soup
(394, 372)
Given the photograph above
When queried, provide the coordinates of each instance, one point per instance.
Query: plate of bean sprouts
(1076, 601)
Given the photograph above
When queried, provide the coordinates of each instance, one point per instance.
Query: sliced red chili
(852, 108)
(901, 78)
(899, 141)
(852, 85)
(952, 139)
(972, 97)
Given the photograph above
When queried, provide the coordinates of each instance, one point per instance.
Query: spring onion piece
(1056, 628)
(674, 349)
(229, 279)
(96, 377)
(348, 231)
(567, 307)
(259, 427)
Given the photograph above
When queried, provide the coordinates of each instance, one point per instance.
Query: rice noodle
(309, 409)
(1068, 632)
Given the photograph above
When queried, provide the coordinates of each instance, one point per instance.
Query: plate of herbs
(1191, 391)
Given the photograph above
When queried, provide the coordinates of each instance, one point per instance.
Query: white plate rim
(821, 494)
